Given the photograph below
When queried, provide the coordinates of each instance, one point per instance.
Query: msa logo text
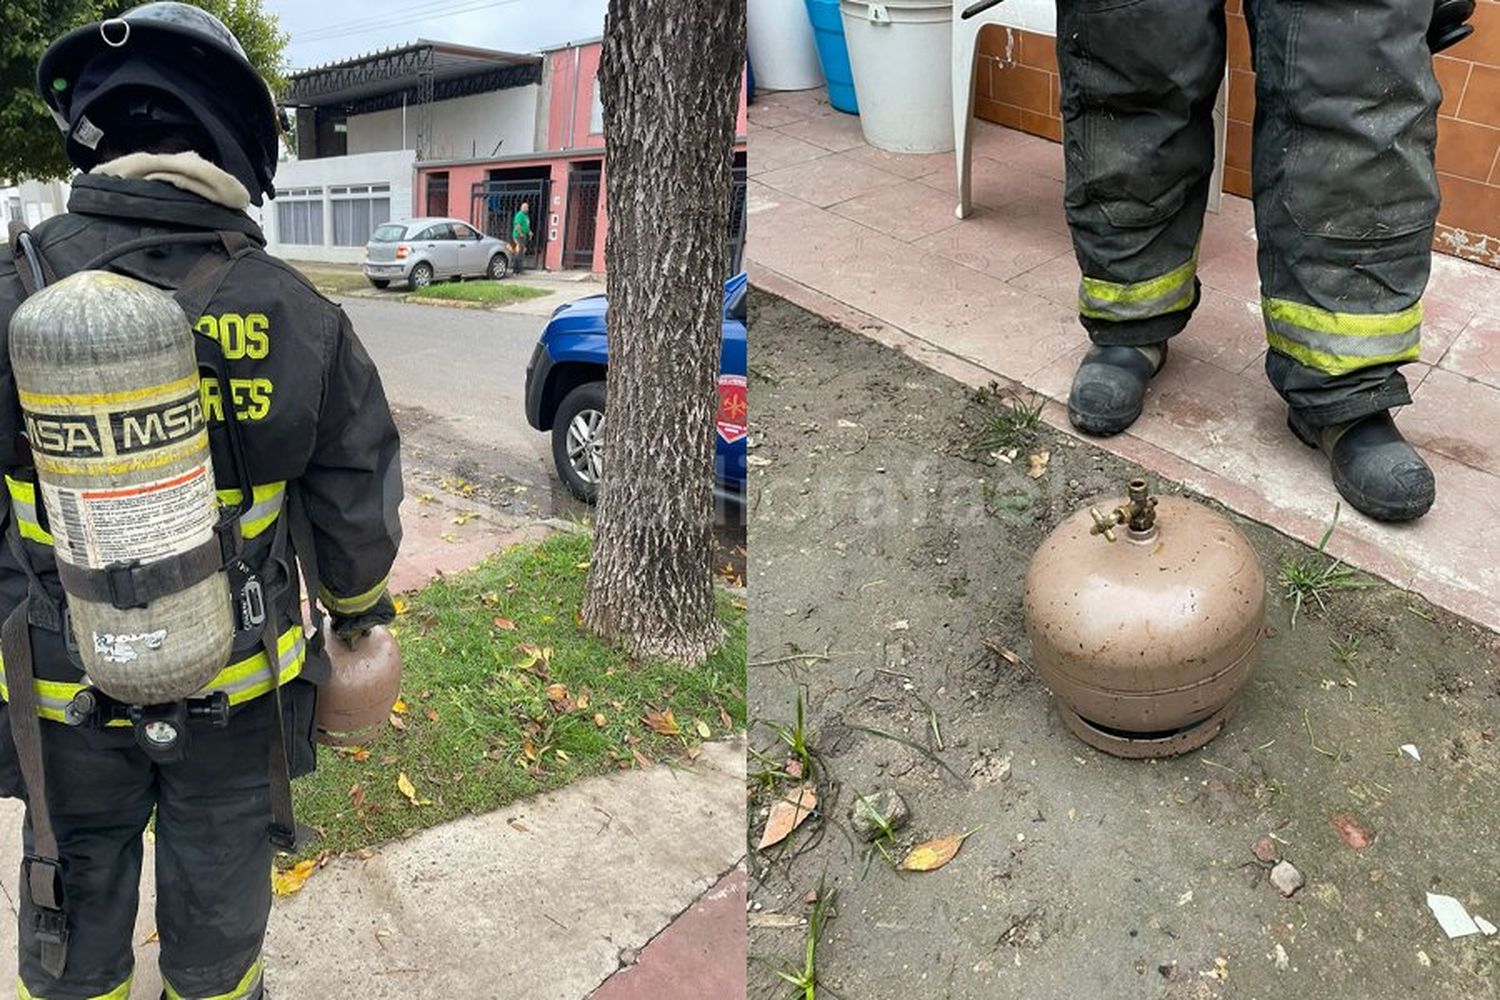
(154, 426)
(63, 434)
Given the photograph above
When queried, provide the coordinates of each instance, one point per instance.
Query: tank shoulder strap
(36, 273)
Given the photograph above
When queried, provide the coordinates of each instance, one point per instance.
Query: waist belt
(242, 681)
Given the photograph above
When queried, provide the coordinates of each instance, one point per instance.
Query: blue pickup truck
(565, 394)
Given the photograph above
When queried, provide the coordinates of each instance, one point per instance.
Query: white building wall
(396, 168)
(461, 128)
(32, 201)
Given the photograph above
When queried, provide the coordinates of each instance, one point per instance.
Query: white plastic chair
(1039, 16)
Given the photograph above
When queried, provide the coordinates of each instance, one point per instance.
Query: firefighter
(1346, 197)
(176, 135)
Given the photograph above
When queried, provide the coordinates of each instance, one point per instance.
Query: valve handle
(1103, 525)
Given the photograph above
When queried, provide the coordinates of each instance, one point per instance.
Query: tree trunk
(670, 84)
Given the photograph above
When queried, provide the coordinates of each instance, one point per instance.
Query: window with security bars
(357, 210)
(299, 216)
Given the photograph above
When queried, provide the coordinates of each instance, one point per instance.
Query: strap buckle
(120, 578)
(44, 883)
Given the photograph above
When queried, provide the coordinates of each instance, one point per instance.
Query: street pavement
(466, 367)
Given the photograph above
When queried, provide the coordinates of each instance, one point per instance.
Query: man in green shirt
(520, 236)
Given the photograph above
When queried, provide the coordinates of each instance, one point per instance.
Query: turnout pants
(213, 855)
(1346, 193)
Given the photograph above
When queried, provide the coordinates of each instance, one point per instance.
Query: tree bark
(670, 84)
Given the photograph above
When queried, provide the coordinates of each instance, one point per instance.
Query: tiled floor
(869, 239)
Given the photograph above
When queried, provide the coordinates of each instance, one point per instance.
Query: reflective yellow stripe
(248, 986)
(243, 680)
(34, 400)
(1337, 343)
(1166, 293)
(353, 605)
(265, 506)
(23, 504)
(121, 992)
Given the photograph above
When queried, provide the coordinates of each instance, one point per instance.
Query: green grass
(1014, 422)
(480, 727)
(495, 293)
(1309, 579)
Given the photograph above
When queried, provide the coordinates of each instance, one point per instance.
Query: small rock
(1169, 971)
(1264, 848)
(881, 806)
(628, 957)
(1282, 961)
(1286, 878)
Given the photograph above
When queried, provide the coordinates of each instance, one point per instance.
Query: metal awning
(421, 71)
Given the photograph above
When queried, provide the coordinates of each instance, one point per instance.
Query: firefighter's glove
(351, 628)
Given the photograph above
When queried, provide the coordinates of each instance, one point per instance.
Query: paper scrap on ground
(1485, 926)
(1451, 915)
(1410, 749)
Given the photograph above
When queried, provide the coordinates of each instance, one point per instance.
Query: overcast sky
(330, 30)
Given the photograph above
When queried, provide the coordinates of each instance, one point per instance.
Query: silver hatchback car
(421, 251)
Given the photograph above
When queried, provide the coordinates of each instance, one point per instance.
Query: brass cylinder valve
(1138, 513)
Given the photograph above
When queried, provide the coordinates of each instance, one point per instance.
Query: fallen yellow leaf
(557, 692)
(400, 707)
(933, 854)
(410, 791)
(400, 604)
(703, 729)
(152, 938)
(285, 881)
(1036, 465)
(788, 813)
(600, 720)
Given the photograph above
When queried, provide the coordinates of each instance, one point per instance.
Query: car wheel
(380, 282)
(499, 267)
(421, 276)
(578, 440)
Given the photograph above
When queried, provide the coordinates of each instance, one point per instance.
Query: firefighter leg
(1139, 81)
(213, 861)
(1346, 197)
(101, 802)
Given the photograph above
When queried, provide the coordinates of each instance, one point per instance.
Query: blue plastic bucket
(833, 54)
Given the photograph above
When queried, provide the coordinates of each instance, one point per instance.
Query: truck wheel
(578, 440)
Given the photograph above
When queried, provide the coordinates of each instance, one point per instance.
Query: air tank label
(98, 526)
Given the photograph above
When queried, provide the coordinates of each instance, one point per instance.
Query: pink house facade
(563, 182)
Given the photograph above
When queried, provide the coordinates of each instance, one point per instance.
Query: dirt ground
(886, 549)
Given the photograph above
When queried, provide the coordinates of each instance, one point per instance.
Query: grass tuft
(805, 980)
(1310, 579)
(1014, 422)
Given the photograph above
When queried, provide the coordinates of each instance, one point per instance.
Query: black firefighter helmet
(162, 67)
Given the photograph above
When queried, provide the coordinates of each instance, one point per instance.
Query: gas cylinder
(108, 384)
(364, 682)
(1145, 623)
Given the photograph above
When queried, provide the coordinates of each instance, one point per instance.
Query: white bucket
(901, 52)
(783, 51)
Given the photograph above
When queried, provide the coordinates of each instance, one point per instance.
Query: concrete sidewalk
(869, 240)
(538, 900)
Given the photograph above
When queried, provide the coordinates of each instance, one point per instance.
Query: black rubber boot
(1110, 387)
(1373, 466)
